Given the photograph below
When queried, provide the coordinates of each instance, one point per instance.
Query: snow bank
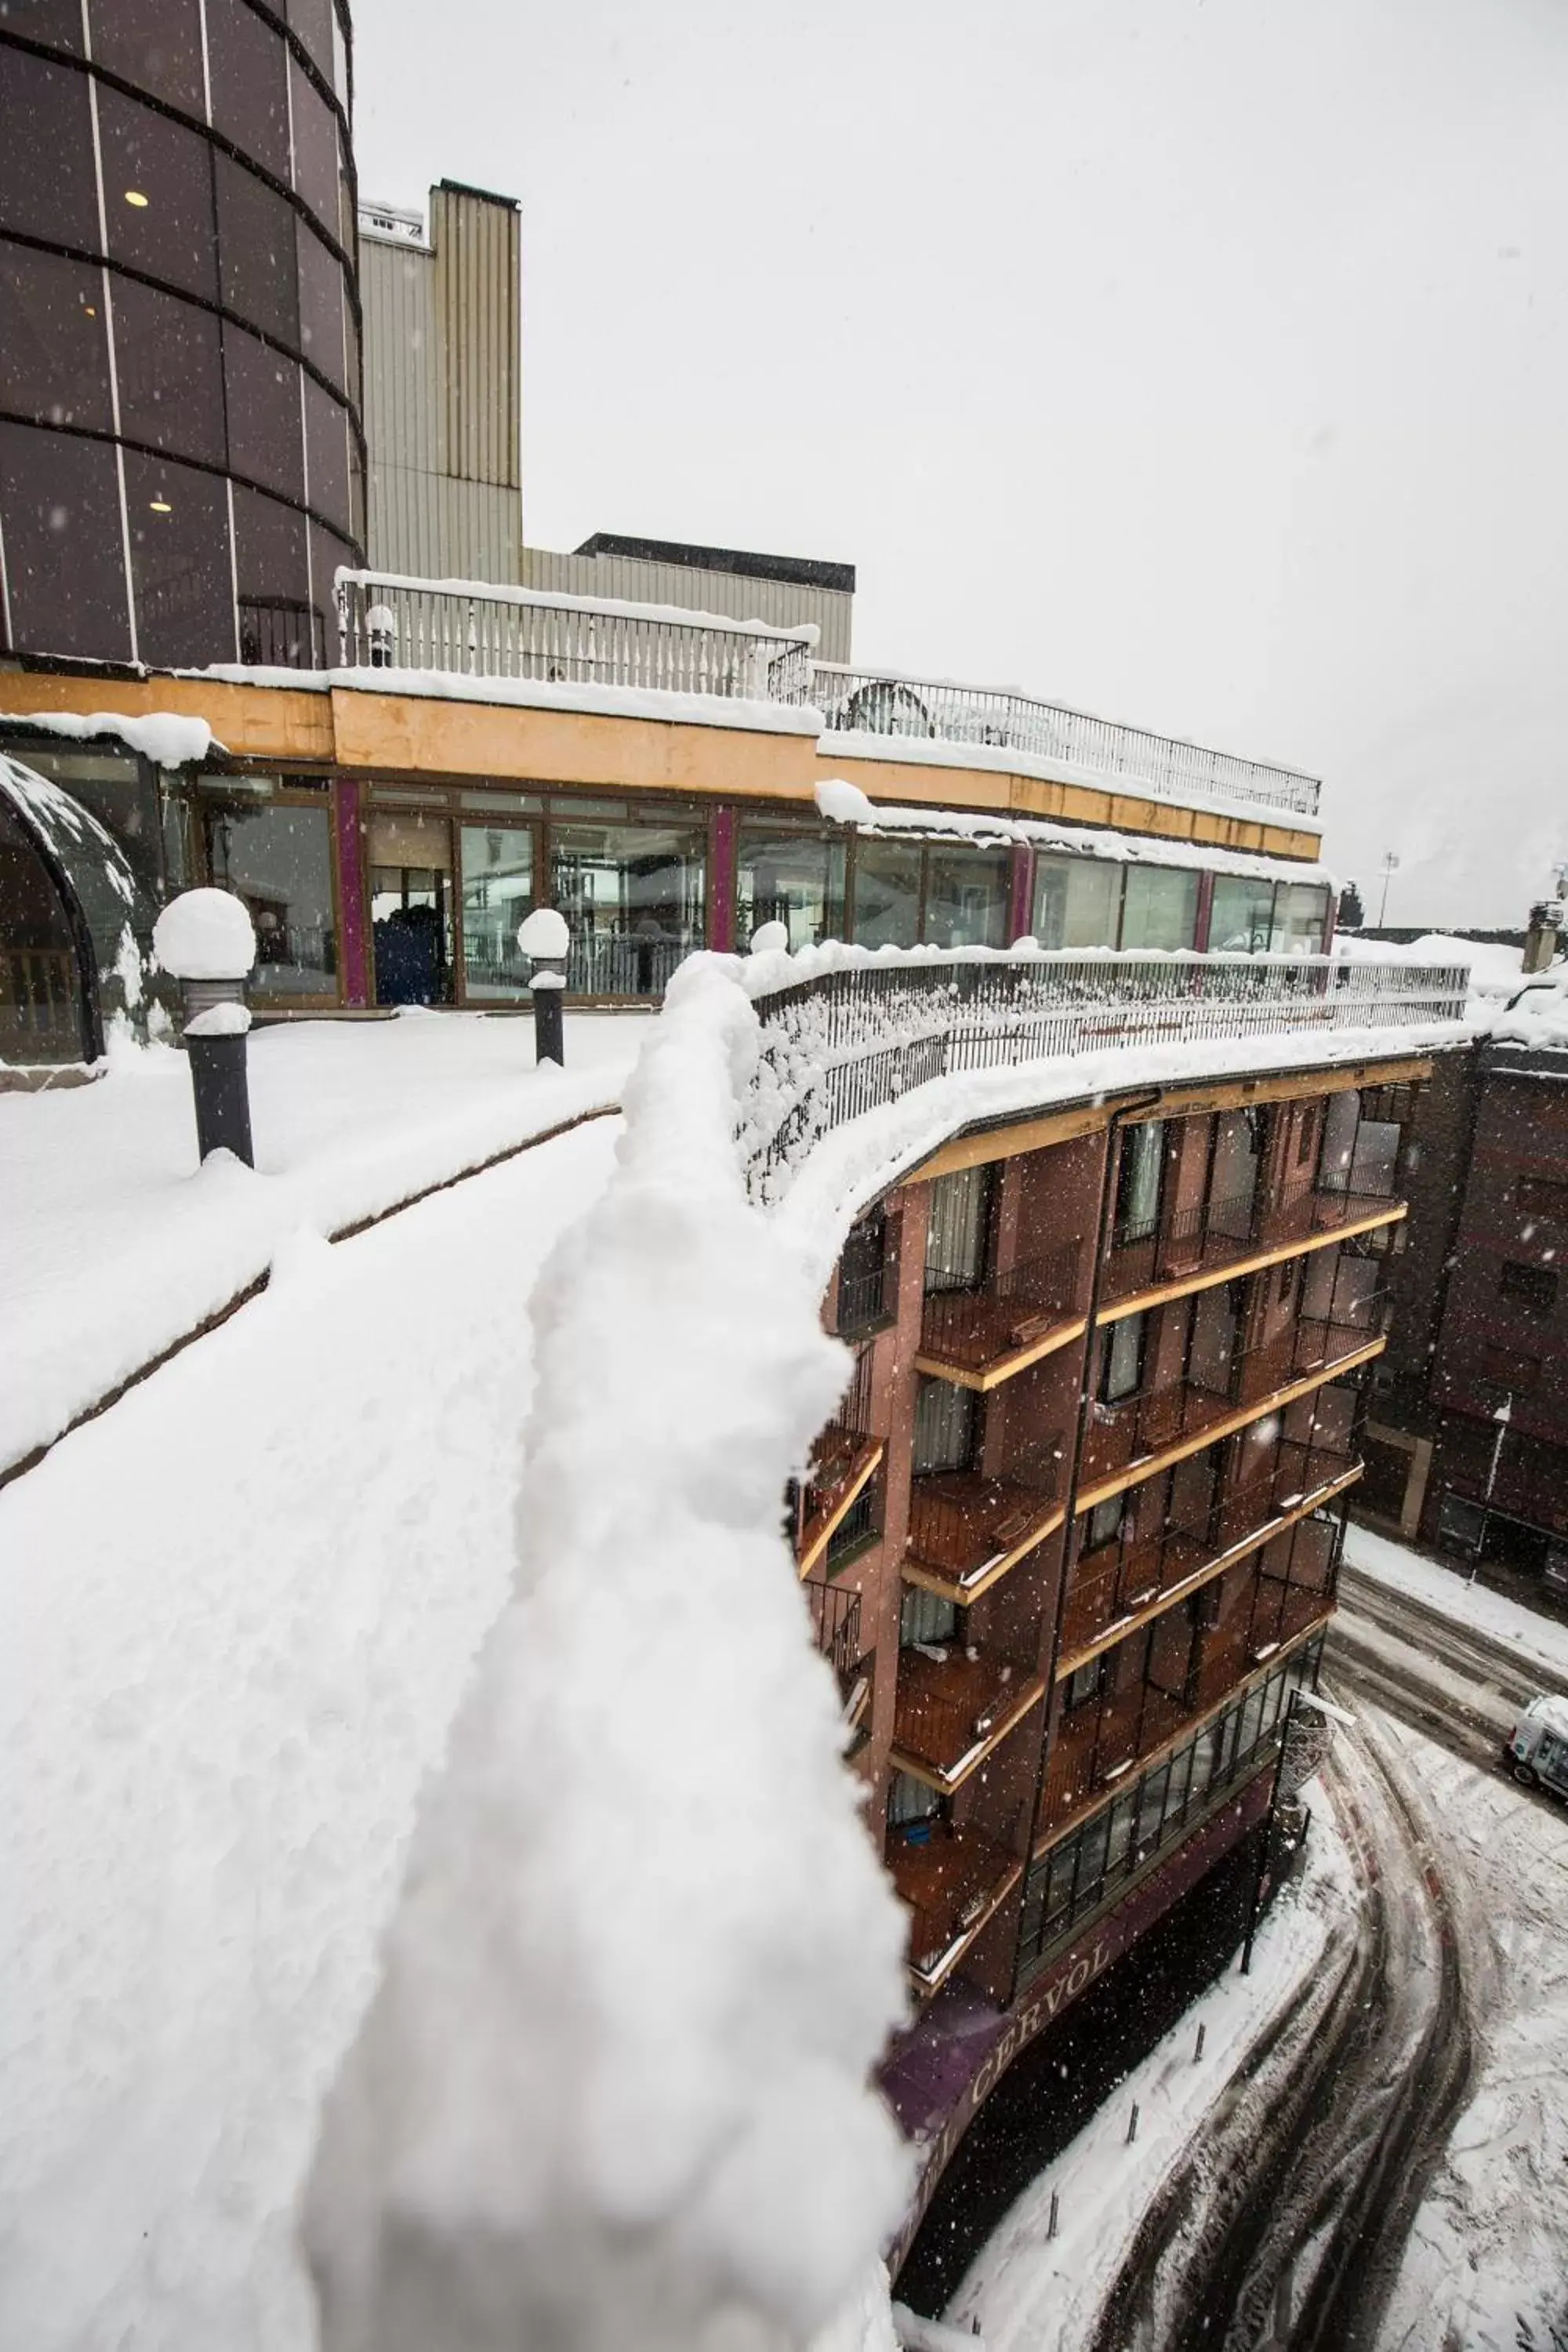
(167, 738)
(206, 935)
(614, 2087)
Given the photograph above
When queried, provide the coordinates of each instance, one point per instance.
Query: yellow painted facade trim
(933, 1776)
(1237, 1269)
(959, 1376)
(953, 1588)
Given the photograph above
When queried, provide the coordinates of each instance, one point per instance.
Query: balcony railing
(1142, 1255)
(954, 1706)
(835, 1621)
(1141, 1428)
(965, 1530)
(871, 702)
(386, 621)
(977, 1331)
(848, 1042)
(952, 1881)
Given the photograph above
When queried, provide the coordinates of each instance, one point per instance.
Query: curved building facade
(181, 454)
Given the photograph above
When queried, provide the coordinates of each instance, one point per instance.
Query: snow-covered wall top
(616, 2082)
(846, 803)
(165, 737)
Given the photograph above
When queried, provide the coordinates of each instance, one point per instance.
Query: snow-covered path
(239, 1610)
(114, 1244)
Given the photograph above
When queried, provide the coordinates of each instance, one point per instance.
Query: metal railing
(835, 1621)
(975, 1325)
(387, 621)
(848, 1042)
(873, 702)
(962, 1523)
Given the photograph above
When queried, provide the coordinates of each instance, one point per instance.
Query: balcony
(1113, 1590)
(952, 1881)
(835, 1623)
(978, 1338)
(954, 1707)
(1152, 1257)
(833, 1508)
(887, 703)
(1127, 1439)
(468, 629)
(966, 1531)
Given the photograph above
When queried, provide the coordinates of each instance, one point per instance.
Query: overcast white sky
(1200, 363)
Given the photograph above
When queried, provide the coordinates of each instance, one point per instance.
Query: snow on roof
(736, 711)
(168, 737)
(845, 803)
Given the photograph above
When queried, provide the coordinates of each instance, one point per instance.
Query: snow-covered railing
(887, 702)
(474, 629)
(861, 1031)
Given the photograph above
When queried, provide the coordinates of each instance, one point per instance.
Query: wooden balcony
(1230, 1238)
(952, 1881)
(844, 1462)
(1131, 1440)
(978, 1338)
(1108, 1588)
(954, 1707)
(967, 1531)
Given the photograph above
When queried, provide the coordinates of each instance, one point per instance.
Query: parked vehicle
(1537, 1754)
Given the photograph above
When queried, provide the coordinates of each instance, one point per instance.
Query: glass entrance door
(410, 860)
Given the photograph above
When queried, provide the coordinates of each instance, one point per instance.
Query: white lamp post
(546, 942)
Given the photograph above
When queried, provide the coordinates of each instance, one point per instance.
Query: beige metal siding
(736, 596)
(476, 265)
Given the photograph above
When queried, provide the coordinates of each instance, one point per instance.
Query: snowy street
(240, 1607)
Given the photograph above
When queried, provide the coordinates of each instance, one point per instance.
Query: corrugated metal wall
(442, 395)
(732, 593)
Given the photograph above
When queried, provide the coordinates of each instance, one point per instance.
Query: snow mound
(612, 2089)
(206, 935)
(167, 738)
(544, 933)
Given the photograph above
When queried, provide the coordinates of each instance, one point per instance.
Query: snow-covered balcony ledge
(918, 711)
(472, 628)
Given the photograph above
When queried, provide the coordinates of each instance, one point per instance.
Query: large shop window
(794, 878)
(635, 898)
(887, 893)
(1242, 920)
(1160, 908)
(1078, 902)
(966, 897)
(1300, 912)
(410, 860)
(273, 849)
(497, 892)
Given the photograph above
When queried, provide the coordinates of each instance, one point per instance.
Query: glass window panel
(1152, 1794)
(958, 1229)
(255, 236)
(634, 898)
(1124, 1359)
(887, 893)
(157, 194)
(170, 369)
(40, 990)
(311, 22)
(1242, 920)
(794, 878)
(944, 1426)
(1123, 1813)
(1077, 902)
(910, 1800)
(320, 305)
(59, 509)
(315, 148)
(966, 897)
(56, 22)
(1181, 1781)
(120, 793)
(156, 44)
(265, 437)
(180, 570)
(48, 187)
(54, 348)
(327, 552)
(1251, 1723)
(1138, 1180)
(278, 859)
(498, 891)
(410, 861)
(327, 453)
(1083, 1684)
(270, 549)
(249, 65)
(1159, 908)
(1300, 911)
(926, 1617)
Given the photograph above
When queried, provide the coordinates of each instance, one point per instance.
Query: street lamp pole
(1389, 868)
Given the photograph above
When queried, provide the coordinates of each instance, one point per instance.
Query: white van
(1538, 1751)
